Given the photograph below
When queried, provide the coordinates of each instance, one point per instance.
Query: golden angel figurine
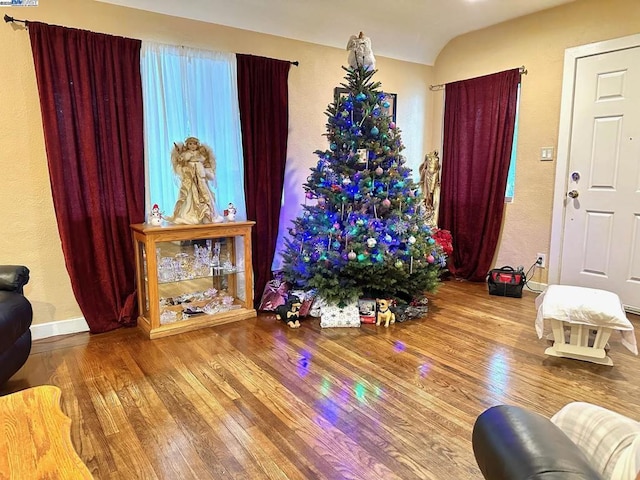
(195, 166)
(360, 53)
(430, 185)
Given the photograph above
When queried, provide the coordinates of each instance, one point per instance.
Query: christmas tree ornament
(361, 96)
(386, 203)
(352, 255)
(371, 242)
(374, 131)
(379, 171)
(399, 264)
(430, 258)
(412, 239)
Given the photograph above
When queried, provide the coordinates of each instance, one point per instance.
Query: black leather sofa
(16, 315)
(512, 443)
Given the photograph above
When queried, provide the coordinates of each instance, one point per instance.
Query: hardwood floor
(255, 399)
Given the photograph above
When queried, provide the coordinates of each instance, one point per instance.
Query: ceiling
(411, 30)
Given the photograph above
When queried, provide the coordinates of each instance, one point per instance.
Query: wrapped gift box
(274, 295)
(367, 310)
(417, 309)
(306, 299)
(335, 316)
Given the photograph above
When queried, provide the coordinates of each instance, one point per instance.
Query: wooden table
(35, 441)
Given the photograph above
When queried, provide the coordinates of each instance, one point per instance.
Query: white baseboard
(63, 327)
(536, 287)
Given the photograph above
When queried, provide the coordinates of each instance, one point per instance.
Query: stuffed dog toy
(290, 312)
(383, 313)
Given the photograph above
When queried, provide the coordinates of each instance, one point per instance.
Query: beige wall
(537, 41)
(28, 231)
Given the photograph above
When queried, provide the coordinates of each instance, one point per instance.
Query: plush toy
(289, 313)
(384, 314)
(360, 53)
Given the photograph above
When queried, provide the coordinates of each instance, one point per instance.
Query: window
(511, 178)
(190, 92)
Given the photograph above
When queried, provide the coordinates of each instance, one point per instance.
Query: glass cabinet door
(197, 277)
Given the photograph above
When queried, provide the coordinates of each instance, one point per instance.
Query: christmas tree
(365, 234)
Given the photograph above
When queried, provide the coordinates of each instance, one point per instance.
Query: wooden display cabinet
(192, 276)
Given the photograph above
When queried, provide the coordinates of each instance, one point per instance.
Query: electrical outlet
(541, 260)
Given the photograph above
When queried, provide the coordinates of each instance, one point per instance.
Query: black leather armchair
(511, 443)
(16, 315)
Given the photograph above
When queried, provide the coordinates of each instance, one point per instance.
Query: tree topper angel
(360, 53)
(195, 166)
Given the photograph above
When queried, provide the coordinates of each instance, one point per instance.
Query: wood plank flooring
(257, 400)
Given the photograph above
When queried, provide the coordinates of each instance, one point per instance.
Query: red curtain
(479, 121)
(91, 102)
(263, 95)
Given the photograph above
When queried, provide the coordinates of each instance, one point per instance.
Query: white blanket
(586, 306)
(610, 440)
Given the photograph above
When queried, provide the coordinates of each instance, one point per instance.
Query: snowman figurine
(231, 212)
(155, 217)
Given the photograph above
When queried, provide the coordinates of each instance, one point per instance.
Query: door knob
(573, 194)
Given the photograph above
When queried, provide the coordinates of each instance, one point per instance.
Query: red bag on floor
(506, 282)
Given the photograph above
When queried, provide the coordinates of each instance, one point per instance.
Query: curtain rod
(440, 86)
(9, 19)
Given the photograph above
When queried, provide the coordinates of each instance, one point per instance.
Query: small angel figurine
(195, 166)
(360, 53)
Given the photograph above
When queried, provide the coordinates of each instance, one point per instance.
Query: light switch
(546, 154)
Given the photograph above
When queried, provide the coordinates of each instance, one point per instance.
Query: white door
(601, 235)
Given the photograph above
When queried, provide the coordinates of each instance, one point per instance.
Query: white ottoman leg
(579, 348)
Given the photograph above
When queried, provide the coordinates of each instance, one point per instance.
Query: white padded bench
(574, 314)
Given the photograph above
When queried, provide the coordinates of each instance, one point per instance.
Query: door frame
(571, 57)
